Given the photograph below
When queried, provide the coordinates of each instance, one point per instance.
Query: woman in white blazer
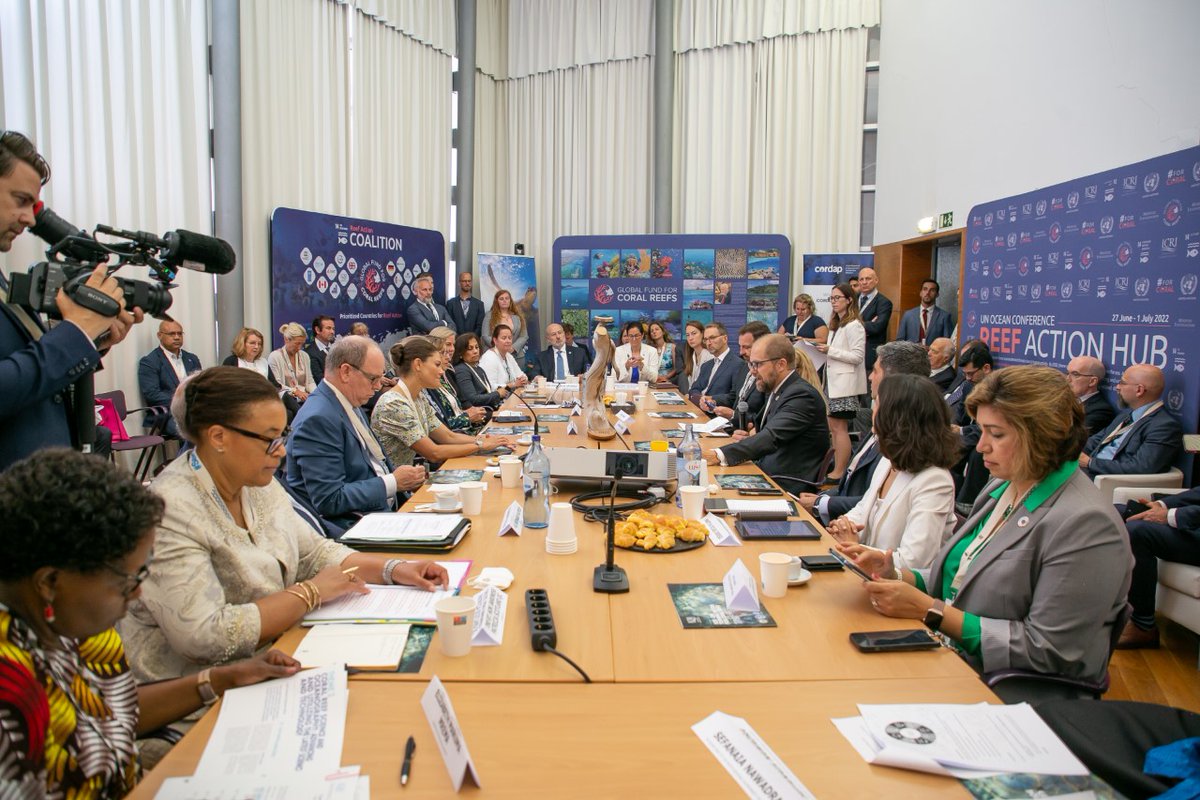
(290, 365)
(635, 353)
(845, 371)
(908, 509)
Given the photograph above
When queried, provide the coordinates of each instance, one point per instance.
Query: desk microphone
(608, 577)
(739, 422)
(536, 428)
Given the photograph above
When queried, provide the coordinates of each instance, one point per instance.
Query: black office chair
(812, 483)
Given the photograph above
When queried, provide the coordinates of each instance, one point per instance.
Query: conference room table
(534, 727)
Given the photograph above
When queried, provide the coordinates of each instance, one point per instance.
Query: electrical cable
(578, 668)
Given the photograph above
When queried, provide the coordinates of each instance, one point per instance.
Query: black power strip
(542, 635)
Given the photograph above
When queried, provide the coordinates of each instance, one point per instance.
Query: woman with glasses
(404, 420)
(445, 398)
(474, 385)
(845, 371)
(635, 355)
(247, 353)
(70, 707)
(234, 564)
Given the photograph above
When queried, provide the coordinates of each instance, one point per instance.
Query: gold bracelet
(316, 592)
(302, 598)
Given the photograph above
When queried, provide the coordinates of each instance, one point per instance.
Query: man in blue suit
(38, 366)
(926, 322)
(162, 370)
(424, 315)
(335, 464)
(1146, 439)
(466, 310)
(718, 381)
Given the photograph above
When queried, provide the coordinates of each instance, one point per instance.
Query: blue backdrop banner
(354, 270)
(517, 274)
(727, 278)
(823, 271)
(1104, 266)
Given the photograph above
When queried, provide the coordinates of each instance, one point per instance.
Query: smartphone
(767, 491)
(850, 565)
(1134, 507)
(884, 641)
(820, 563)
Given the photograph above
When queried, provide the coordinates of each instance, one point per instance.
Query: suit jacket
(854, 482)
(915, 517)
(329, 468)
(544, 364)
(422, 321)
(35, 402)
(317, 359)
(1187, 508)
(1049, 585)
(1097, 413)
(725, 384)
(754, 404)
(941, 325)
(845, 371)
(875, 318)
(474, 388)
(589, 353)
(945, 379)
(1151, 445)
(158, 381)
(792, 435)
(472, 321)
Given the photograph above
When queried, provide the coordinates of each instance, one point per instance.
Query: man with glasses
(791, 432)
(335, 463)
(747, 392)
(718, 380)
(1145, 438)
(1084, 374)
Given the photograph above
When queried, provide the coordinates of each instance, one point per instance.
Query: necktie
(433, 310)
(560, 362)
(862, 302)
(924, 322)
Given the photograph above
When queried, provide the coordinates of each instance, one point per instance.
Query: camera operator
(38, 365)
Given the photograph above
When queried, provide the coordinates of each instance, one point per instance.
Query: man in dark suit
(1146, 439)
(465, 310)
(748, 392)
(926, 322)
(718, 381)
(318, 346)
(162, 370)
(1085, 374)
(424, 315)
(791, 433)
(335, 464)
(38, 366)
(559, 360)
(1169, 529)
(941, 363)
(895, 358)
(583, 344)
(875, 310)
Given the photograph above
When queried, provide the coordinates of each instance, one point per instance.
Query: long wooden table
(533, 727)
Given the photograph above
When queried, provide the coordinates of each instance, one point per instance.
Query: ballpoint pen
(406, 767)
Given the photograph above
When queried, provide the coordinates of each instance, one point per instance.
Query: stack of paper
(403, 527)
(391, 603)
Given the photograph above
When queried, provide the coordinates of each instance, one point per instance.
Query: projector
(577, 464)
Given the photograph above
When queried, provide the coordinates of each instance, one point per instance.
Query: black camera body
(37, 289)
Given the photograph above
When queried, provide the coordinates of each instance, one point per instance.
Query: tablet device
(777, 529)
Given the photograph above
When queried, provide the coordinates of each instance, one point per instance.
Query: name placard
(451, 742)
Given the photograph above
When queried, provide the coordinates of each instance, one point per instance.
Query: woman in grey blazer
(1037, 576)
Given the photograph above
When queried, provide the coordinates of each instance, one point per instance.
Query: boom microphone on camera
(186, 249)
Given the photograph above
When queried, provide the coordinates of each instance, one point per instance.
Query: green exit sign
(946, 220)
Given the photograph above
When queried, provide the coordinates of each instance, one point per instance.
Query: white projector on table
(578, 464)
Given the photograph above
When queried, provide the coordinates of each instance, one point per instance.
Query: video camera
(73, 255)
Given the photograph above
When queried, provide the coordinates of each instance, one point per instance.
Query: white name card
(622, 424)
(577, 409)
(719, 532)
(514, 519)
(450, 740)
(491, 607)
(747, 758)
(741, 593)
(571, 429)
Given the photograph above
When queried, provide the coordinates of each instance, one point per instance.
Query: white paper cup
(795, 569)
(773, 568)
(455, 620)
(692, 498)
(472, 496)
(446, 496)
(562, 523)
(620, 398)
(525, 439)
(510, 472)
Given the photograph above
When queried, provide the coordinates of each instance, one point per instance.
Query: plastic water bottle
(537, 485)
(689, 463)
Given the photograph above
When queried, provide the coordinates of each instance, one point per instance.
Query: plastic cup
(692, 498)
(773, 568)
(562, 523)
(472, 496)
(455, 621)
(510, 472)
(446, 496)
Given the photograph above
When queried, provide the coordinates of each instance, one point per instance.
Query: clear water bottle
(537, 485)
(689, 462)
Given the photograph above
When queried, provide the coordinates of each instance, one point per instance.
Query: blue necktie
(562, 367)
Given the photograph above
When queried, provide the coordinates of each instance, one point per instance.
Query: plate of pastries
(658, 533)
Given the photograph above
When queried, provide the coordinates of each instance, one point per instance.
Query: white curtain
(116, 97)
(704, 24)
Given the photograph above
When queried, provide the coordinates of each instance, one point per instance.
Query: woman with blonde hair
(247, 352)
(845, 371)
(290, 365)
(505, 312)
(445, 400)
(804, 322)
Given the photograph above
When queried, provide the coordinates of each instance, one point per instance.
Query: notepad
(386, 526)
(363, 646)
(391, 603)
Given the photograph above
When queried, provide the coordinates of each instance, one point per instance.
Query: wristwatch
(204, 686)
(933, 617)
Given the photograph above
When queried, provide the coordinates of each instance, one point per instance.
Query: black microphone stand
(608, 577)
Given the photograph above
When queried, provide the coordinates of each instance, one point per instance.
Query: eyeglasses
(754, 365)
(714, 338)
(374, 379)
(273, 442)
(132, 582)
(1073, 375)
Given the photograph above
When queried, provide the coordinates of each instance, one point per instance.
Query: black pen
(407, 765)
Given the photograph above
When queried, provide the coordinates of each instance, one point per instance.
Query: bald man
(1144, 439)
(1085, 374)
(162, 369)
(941, 363)
(875, 310)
